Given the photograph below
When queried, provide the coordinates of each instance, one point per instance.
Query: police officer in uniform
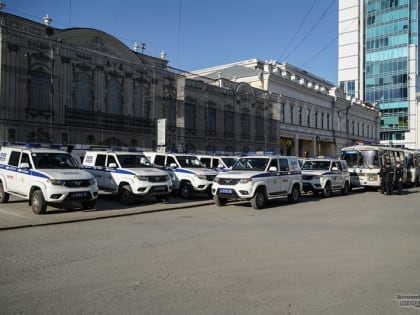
(382, 177)
(399, 175)
(389, 178)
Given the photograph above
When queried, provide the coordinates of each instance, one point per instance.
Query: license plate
(78, 195)
(225, 191)
(159, 188)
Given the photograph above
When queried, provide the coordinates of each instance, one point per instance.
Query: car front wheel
(125, 195)
(38, 202)
(259, 200)
(218, 201)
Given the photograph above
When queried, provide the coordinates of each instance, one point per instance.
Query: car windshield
(316, 165)
(251, 164)
(48, 160)
(133, 160)
(189, 161)
(229, 161)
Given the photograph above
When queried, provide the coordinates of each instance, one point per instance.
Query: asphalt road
(343, 255)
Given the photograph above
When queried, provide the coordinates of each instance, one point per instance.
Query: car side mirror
(112, 165)
(335, 168)
(272, 169)
(172, 165)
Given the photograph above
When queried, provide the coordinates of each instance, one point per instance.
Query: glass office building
(378, 62)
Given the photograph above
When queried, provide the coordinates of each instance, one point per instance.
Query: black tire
(87, 205)
(346, 189)
(186, 190)
(294, 196)
(125, 195)
(38, 204)
(163, 198)
(327, 190)
(259, 200)
(4, 196)
(219, 201)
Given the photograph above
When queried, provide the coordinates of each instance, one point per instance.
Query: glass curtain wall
(391, 26)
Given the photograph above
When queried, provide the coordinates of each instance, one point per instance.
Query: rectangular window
(14, 158)
(229, 122)
(40, 90)
(100, 160)
(211, 119)
(189, 116)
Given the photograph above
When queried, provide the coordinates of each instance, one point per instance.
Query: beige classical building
(84, 87)
(314, 116)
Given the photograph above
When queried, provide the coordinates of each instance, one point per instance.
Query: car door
(111, 179)
(285, 174)
(275, 179)
(338, 174)
(99, 170)
(13, 177)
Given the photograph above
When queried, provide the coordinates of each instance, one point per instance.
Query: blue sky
(197, 34)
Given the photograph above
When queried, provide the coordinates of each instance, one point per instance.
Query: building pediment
(97, 41)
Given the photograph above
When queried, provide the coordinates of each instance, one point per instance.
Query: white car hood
(147, 171)
(240, 174)
(70, 174)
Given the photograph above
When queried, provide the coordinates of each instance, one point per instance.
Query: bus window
(350, 157)
(369, 159)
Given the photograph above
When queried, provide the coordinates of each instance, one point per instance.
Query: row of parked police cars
(52, 176)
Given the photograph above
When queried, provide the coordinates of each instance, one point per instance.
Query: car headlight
(142, 177)
(216, 179)
(245, 180)
(57, 182)
(200, 176)
(317, 176)
(92, 181)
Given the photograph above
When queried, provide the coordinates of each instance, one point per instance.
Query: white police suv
(128, 174)
(325, 175)
(257, 179)
(191, 176)
(44, 176)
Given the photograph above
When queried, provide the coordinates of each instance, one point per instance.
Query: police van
(44, 176)
(128, 174)
(191, 176)
(259, 178)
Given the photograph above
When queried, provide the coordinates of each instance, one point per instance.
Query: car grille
(307, 177)
(157, 179)
(228, 181)
(76, 183)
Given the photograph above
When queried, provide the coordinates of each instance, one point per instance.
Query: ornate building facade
(85, 87)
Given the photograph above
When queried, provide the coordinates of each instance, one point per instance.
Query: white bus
(412, 161)
(365, 161)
